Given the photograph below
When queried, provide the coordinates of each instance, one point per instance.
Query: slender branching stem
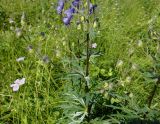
(87, 89)
(87, 45)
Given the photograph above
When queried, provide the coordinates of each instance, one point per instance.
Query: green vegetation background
(129, 31)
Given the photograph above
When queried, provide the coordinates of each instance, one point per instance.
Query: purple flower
(17, 83)
(61, 3)
(92, 8)
(69, 15)
(75, 3)
(60, 6)
(69, 12)
(66, 20)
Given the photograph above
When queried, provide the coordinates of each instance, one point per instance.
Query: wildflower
(17, 83)
(94, 45)
(128, 79)
(58, 53)
(11, 28)
(30, 48)
(67, 20)
(110, 86)
(76, 3)
(69, 15)
(60, 6)
(131, 95)
(119, 63)
(69, 12)
(11, 20)
(20, 59)
(134, 66)
(139, 43)
(45, 59)
(92, 8)
(18, 32)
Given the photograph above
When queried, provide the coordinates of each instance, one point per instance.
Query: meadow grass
(128, 32)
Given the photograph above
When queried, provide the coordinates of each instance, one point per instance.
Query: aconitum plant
(74, 8)
(82, 10)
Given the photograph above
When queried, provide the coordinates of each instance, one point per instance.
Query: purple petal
(92, 8)
(17, 81)
(75, 3)
(16, 87)
(61, 3)
(69, 12)
(22, 81)
(12, 85)
(59, 9)
(67, 20)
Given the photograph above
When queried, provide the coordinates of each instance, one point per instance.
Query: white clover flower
(17, 83)
(20, 59)
(94, 45)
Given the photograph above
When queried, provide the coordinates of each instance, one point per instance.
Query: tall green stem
(88, 44)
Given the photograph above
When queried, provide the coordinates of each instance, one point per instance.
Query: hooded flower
(75, 3)
(60, 6)
(66, 20)
(17, 83)
(69, 15)
(69, 12)
(92, 8)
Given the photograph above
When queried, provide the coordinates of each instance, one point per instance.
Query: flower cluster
(72, 9)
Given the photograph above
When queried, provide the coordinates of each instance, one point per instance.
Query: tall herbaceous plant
(79, 17)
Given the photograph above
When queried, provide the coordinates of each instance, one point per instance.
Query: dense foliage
(79, 61)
